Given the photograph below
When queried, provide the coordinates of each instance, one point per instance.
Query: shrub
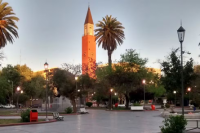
(25, 115)
(174, 124)
(89, 104)
(137, 104)
(68, 110)
(167, 105)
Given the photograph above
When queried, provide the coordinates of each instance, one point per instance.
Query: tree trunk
(127, 101)
(73, 101)
(109, 58)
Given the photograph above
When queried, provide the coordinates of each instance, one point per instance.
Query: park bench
(83, 111)
(57, 116)
(197, 121)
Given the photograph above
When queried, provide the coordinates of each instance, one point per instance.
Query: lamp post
(189, 89)
(175, 97)
(181, 35)
(18, 93)
(76, 78)
(12, 89)
(46, 65)
(111, 90)
(80, 98)
(143, 81)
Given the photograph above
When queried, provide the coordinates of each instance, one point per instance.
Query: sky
(52, 30)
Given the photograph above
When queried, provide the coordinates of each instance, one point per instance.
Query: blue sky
(52, 29)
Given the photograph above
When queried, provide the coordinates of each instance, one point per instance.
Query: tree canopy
(171, 68)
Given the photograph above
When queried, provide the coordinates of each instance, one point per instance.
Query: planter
(137, 108)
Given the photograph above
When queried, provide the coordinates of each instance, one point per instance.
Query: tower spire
(88, 18)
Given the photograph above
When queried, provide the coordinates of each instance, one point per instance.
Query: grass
(9, 121)
(13, 121)
(7, 112)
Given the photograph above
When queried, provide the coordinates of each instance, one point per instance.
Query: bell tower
(88, 46)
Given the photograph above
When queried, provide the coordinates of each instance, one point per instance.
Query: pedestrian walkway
(98, 121)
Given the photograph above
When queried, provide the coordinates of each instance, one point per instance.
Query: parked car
(12, 106)
(7, 106)
(1, 106)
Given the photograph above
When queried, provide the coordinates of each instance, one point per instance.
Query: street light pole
(46, 70)
(18, 93)
(189, 89)
(144, 91)
(76, 78)
(181, 34)
(175, 97)
(111, 99)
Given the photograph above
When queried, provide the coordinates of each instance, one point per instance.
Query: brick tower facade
(89, 47)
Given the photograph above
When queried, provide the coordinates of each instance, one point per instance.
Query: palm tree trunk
(109, 58)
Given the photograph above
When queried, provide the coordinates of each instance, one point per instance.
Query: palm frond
(8, 27)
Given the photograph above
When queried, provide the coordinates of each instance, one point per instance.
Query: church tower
(88, 46)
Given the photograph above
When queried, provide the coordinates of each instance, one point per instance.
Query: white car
(7, 106)
(12, 106)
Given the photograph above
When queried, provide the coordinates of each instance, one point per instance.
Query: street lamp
(175, 97)
(189, 89)
(76, 78)
(12, 89)
(181, 35)
(46, 65)
(143, 82)
(111, 90)
(18, 93)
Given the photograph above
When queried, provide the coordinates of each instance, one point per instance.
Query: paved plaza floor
(97, 121)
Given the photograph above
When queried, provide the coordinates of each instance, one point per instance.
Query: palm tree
(109, 34)
(7, 24)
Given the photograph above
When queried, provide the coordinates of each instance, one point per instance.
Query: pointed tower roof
(88, 18)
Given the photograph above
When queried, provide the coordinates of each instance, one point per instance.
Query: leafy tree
(126, 75)
(5, 90)
(34, 88)
(25, 72)
(109, 34)
(86, 84)
(157, 90)
(65, 83)
(172, 72)
(10, 73)
(7, 24)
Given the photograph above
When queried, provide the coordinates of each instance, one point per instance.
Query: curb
(29, 123)
(43, 115)
(119, 110)
(151, 110)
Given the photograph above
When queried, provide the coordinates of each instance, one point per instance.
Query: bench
(137, 108)
(83, 111)
(197, 121)
(57, 116)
